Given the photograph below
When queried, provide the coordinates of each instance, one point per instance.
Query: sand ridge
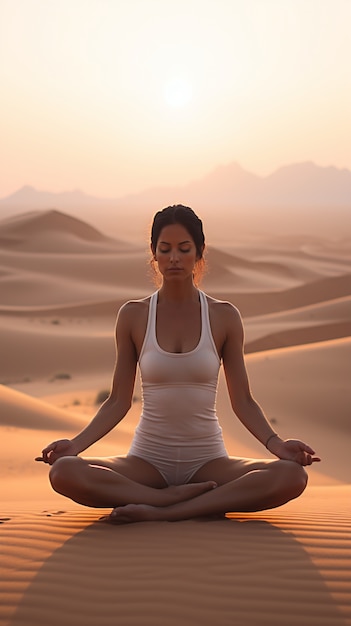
(287, 566)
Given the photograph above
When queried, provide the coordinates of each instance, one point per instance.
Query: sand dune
(302, 335)
(338, 309)
(26, 423)
(308, 324)
(53, 231)
(47, 348)
(252, 304)
(268, 271)
(310, 396)
(61, 285)
(306, 392)
(19, 410)
(29, 278)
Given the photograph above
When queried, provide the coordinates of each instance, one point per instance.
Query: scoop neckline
(178, 354)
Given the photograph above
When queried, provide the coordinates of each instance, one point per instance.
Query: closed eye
(167, 250)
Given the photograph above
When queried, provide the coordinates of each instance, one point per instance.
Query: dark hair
(184, 215)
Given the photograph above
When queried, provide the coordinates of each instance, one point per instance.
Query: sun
(177, 92)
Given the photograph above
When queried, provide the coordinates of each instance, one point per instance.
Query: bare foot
(143, 512)
(136, 513)
(180, 493)
(131, 513)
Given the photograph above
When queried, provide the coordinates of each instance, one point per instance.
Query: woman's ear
(202, 253)
(153, 252)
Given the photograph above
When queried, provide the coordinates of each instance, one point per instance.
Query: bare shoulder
(132, 321)
(226, 324)
(224, 312)
(134, 308)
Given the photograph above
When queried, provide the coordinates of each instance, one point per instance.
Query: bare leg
(272, 485)
(101, 486)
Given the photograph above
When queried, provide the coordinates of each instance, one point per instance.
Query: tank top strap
(206, 332)
(150, 333)
(152, 314)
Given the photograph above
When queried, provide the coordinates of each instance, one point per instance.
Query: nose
(174, 256)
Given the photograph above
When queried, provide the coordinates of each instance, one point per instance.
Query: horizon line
(177, 185)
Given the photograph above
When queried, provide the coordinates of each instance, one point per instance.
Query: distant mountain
(308, 185)
(28, 197)
(301, 184)
(303, 197)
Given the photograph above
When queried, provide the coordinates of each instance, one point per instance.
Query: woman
(177, 467)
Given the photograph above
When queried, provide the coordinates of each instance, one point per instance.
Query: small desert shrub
(61, 376)
(102, 396)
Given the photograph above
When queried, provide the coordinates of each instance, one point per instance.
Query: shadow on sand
(223, 572)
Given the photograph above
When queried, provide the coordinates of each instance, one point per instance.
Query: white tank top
(179, 389)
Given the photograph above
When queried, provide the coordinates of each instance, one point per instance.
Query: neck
(178, 292)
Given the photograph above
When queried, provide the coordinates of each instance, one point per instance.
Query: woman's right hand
(57, 449)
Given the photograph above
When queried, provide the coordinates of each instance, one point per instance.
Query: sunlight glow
(89, 89)
(177, 92)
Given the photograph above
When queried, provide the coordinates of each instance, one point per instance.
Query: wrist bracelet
(269, 438)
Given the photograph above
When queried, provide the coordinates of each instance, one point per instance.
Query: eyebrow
(166, 243)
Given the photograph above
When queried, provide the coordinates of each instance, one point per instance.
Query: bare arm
(244, 405)
(117, 404)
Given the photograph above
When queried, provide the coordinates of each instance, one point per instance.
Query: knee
(62, 473)
(295, 478)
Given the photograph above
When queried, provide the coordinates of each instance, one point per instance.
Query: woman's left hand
(293, 450)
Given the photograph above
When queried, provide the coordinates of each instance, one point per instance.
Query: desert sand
(61, 285)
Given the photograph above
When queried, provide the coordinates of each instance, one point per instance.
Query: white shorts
(177, 464)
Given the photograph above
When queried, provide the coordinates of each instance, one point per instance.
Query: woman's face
(175, 253)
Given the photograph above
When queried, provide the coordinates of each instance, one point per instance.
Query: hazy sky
(114, 96)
